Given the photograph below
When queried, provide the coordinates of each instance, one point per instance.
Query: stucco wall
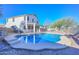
(18, 19)
(9, 23)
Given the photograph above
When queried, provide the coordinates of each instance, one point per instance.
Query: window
(28, 18)
(32, 20)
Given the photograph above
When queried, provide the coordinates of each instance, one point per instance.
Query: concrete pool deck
(68, 42)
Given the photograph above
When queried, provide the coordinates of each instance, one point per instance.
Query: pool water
(39, 38)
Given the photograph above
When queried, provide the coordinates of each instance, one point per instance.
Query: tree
(66, 22)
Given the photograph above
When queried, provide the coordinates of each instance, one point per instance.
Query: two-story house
(27, 22)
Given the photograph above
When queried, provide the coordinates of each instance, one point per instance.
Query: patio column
(39, 29)
(26, 23)
(34, 27)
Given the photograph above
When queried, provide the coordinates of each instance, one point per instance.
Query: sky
(44, 12)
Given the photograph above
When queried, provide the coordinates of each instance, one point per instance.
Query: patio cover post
(26, 25)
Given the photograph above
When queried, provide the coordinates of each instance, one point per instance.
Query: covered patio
(33, 27)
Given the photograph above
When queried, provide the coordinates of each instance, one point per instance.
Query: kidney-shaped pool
(35, 41)
(39, 38)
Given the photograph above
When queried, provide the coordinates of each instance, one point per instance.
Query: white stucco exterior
(14, 21)
(17, 21)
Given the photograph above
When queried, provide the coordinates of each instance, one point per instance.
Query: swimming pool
(39, 38)
(35, 41)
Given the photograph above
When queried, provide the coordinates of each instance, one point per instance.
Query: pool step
(15, 40)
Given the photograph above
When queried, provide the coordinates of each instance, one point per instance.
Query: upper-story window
(27, 18)
(32, 20)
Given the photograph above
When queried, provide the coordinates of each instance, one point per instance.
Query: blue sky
(49, 12)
